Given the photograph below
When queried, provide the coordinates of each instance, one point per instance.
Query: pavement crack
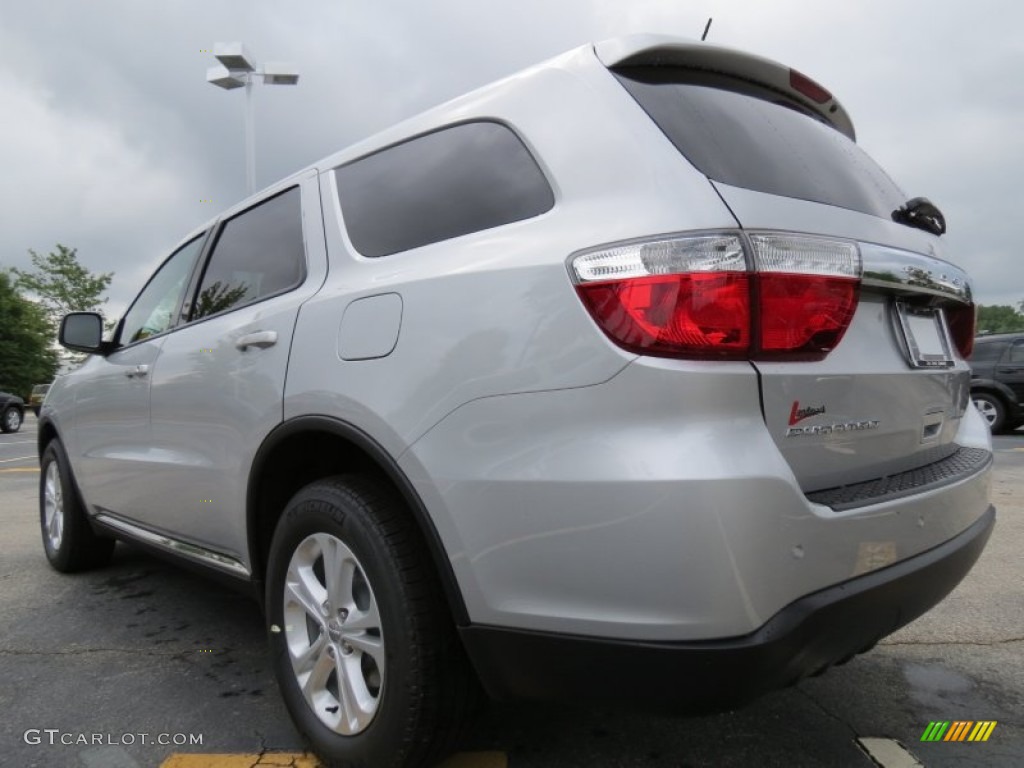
(262, 752)
(827, 712)
(980, 643)
(81, 651)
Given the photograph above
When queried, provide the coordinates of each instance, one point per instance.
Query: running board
(180, 548)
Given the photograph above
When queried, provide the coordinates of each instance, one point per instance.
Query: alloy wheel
(53, 506)
(988, 411)
(333, 633)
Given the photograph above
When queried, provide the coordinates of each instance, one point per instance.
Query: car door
(1010, 369)
(110, 447)
(218, 388)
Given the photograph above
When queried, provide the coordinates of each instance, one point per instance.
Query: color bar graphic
(958, 730)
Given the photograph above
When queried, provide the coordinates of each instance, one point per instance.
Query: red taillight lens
(696, 297)
(803, 317)
(962, 326)
(693, 315)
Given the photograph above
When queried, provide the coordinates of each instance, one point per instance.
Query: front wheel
(68, 539)
(10, 421)
(363, 647)
(992, 410)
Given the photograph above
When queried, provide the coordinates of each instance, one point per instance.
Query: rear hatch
(888, 395)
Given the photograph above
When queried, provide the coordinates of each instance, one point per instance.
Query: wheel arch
(47, 432)
(307, 448)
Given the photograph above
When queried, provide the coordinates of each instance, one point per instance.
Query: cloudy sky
(110, 137)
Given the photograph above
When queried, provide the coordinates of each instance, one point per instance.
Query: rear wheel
(68, 539)
(992, 410)
(365, 652)
(10, 421)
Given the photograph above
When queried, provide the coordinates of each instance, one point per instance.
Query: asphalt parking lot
(140, 657)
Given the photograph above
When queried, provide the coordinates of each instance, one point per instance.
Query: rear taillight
(801, 83)
(771, 297)
(962, 321)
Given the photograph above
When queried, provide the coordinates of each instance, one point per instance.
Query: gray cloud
(113, 138)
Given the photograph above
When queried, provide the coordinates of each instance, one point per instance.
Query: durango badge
(798, 414)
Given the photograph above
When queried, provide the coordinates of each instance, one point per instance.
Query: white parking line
(16, 442)
(17, 458)
(889, 753)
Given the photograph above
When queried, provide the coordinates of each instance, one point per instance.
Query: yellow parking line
(476, 760)
(306, 760)
(296, 759)
(19, 469)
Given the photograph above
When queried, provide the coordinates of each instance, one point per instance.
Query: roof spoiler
(668, 51)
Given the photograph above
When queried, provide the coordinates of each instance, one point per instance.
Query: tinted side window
(448, 183)
(259, 253)
(153, 311)
(1017, 352)
(988, 352)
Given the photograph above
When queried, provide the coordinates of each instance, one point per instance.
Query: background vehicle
(12, 412)
(997, 379)
(631, 377)
(35, 400)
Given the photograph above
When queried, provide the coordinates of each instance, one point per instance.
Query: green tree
(218, 297)
(1000, 318)
(63, 285)
(27, 355)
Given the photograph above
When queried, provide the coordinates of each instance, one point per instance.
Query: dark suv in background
(997, 379)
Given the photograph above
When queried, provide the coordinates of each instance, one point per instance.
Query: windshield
(749, 136)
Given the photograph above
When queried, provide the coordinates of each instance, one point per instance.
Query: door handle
(261, 339)
(139, 370)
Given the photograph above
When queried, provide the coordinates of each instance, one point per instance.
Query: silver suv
(631, 376)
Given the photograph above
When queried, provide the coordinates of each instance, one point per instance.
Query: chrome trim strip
(180, 548)
(908, 272)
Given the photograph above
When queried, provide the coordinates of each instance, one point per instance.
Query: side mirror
(82, 332)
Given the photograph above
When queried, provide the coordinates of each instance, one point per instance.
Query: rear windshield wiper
(922, 213)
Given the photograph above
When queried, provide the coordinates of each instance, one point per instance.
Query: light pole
(238, 69)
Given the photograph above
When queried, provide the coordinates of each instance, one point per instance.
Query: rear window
(748, 136)
(446, 184)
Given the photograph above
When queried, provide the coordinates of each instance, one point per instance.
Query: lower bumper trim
(804, 638)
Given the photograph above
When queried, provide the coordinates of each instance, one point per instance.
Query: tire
(68, 539)
(992, 410)
(10, 420)
(385, 628)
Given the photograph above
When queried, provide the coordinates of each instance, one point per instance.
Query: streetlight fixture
(238, 69)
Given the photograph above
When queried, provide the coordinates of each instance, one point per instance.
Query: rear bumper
(804, 638)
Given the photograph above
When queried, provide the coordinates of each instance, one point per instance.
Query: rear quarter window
(449, 183)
